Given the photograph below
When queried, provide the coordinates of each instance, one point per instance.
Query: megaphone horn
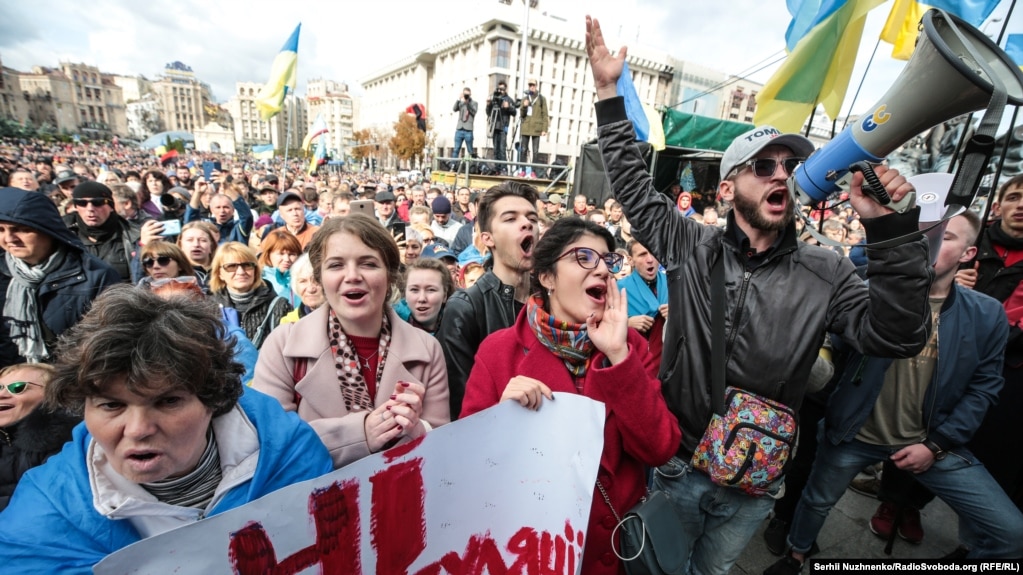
(942, 80)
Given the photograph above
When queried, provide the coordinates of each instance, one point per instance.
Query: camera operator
(466, 108)
(500, 109)
(535, 122)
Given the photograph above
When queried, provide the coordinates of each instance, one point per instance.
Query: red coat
(639, 430)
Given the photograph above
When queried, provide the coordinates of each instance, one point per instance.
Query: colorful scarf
(569, 341)
(354, 390)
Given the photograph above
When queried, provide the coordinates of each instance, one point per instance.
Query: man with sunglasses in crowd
(780, 297)
(104, 233)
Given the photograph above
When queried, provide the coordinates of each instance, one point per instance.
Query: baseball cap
(287, 196)
(65, 176)
(437, 252)
(554, 199)
(265, 185)
(441, 205)
(749, 144)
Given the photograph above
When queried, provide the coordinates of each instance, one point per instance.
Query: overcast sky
(225, 41)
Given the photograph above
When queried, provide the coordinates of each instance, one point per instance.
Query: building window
(500, 53)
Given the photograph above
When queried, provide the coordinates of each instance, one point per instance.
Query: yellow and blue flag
(263, 152)
(645, 120)
(903, 24)
(824, 43)
(283, 77)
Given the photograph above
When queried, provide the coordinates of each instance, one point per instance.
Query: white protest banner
(506, 491)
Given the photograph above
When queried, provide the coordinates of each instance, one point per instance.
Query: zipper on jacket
(738, 313)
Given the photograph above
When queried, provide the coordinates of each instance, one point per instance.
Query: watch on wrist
(938, 452)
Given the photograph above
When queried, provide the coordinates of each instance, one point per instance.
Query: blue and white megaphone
(942, 80)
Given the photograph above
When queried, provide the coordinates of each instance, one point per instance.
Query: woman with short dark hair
(573, 337)
(170, 435)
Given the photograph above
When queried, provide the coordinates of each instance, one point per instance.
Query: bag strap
(608, 500)
(258, 340)
(621, 521)
(717, 334)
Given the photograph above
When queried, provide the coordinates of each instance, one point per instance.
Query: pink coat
(639, 430)
(414, 355)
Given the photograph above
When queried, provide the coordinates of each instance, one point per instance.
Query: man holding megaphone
(779, 298)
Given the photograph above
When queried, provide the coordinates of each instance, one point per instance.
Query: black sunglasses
(231, 268)
(17, 387)
(95, 202)
(164, 261)
(765, 167)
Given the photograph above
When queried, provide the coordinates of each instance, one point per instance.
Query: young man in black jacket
(508, 226)
(780, 297)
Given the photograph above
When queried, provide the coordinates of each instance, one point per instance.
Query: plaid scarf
(569, 341)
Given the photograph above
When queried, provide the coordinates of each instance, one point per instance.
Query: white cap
(749, 144)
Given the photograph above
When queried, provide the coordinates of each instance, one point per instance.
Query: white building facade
(480, 57)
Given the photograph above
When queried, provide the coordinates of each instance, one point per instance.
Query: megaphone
(942, 80)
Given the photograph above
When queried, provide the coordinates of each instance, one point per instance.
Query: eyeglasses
(94, 202)
(589, 259)
(164, 261)
(232, 268)
(17, 387)
(765, 167)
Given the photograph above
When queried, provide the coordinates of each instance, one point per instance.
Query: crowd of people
(181, 311)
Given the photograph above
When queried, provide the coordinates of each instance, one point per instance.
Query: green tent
(700, 132)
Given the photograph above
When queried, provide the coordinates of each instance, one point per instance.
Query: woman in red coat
(573, 337)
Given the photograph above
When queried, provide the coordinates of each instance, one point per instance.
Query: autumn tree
(363, 147)
(408, 141)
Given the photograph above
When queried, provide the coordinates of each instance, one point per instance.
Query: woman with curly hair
(170, 436)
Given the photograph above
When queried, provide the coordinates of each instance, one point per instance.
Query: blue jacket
(235, 230)
(65, 294)
(51, 525)
(972, 330)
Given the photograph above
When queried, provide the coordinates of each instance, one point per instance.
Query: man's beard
(750, 210)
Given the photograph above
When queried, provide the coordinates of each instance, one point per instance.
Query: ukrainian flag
(902, 26)
(645, 120)
(822, 50)
(263, 152)
(283, 76)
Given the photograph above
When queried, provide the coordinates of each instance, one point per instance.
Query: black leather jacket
(776, 313)
(469, 316)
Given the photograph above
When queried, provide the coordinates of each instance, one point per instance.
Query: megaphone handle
(872, 183)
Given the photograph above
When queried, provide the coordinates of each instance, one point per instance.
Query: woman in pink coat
(364, 379)
(573, 337)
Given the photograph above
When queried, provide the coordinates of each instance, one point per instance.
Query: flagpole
(287, 137)
(1008, 134)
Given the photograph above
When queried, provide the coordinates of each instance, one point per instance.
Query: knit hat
(91, 189)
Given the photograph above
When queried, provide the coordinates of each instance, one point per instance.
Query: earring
(550, 292)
